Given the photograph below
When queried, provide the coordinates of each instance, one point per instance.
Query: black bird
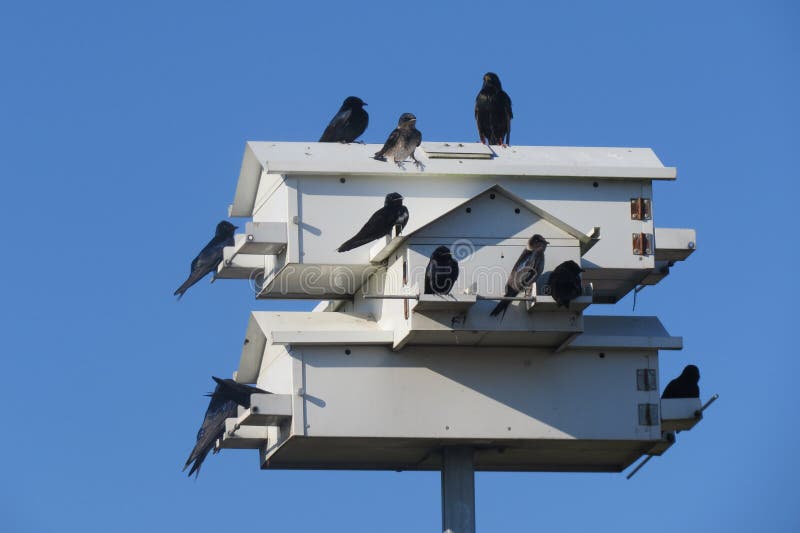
(209, 257)
(348, 123)
(228, 389)
(441, 273)
(402, 141)
(685, 385)
(565, 283)
(493, 111)
(224, 401)
(525, 272)
(392, 214)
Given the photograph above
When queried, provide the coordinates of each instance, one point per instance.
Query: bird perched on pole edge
(402, 142)
(565, 283)
(441, 272)
(392, 214)
(685, 385)
(348, 123)
(493, 112)
(224, 401)
(209, 257)
(526, 271)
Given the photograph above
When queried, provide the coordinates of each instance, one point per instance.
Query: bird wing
(335, 129)
(520, 271)
(205, 262)
(416, 138)
(505, 103)
(482, 114)
(378, 225)
(401, 219)
(429, 272)
(213, 428)
(208, 258)
(390, 143)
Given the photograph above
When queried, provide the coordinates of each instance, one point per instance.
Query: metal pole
(458, 490)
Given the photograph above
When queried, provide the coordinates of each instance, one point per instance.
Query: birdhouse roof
(443, 159)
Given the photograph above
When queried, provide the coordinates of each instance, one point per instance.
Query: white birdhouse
(382, 376)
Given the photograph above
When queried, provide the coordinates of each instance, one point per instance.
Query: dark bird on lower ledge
(348, 123)
(209, 257)
(493, 112)
(225, 399)
(526, 271)
(685, 385)
(565, 283)
(441, 272)
(402, 142)
(392, 214)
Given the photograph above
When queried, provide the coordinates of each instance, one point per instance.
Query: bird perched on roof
(441, 272)
(348, 123)
(526, 271)
(565, 283)
(393, 214)
(402, 142)
(224, 401)
(209, 257)
(493, 112)
(685, 385)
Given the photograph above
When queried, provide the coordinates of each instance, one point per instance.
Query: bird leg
(417, 163)
(400, 164)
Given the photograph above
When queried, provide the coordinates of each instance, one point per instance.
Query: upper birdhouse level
(594, 206)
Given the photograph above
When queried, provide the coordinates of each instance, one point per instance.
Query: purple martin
(525, 272)
(441, 273)
(493, 112)
(209, 257)
(224, 401)
(402, 142)
(348, 123)
(392, 214)
(565, 283)
(685, 385)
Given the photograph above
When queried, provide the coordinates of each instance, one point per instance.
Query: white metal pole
(458, 490)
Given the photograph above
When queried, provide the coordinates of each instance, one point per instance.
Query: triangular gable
(586, 240)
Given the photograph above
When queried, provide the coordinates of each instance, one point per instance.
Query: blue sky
(122, 127)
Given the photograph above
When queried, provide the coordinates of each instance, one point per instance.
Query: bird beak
(236, 227)
(363, 103)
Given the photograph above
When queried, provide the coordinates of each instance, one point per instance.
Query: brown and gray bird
(392, 214)
(565, 283)
(209, 257)
(493, 112)
(348, 123)
(526, 271)
(402, 142)
(441, 272)
(224, 401)
(685, 385)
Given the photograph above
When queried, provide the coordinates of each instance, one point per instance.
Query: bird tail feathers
(500, 308)
(353, 243)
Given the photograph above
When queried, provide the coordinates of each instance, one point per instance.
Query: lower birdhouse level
(344, 398)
